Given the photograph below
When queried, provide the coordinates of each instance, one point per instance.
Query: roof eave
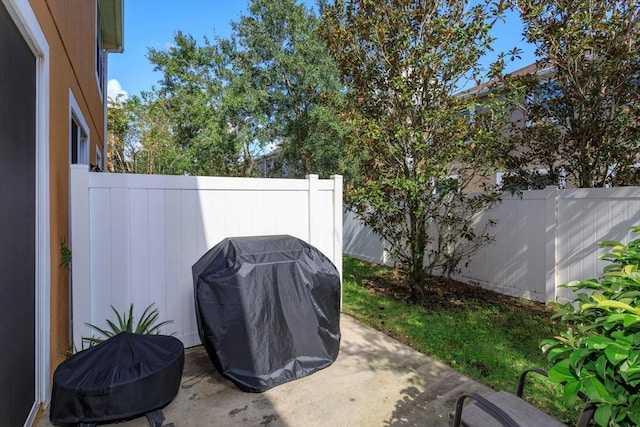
(112, 25)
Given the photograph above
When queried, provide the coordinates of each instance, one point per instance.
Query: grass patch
(487, 336)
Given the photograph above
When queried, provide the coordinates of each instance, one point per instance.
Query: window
(79, 143)
(544, 93)
(99, 51)
(269, 168)
(533, 179)
(544, 101)
(266, 167)
(78, 134)
(446, 185)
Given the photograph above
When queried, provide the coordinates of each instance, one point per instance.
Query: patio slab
(376, 381)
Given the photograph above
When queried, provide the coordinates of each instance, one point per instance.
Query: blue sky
(152, 23)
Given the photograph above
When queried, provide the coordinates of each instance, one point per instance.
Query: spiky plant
(126, 323)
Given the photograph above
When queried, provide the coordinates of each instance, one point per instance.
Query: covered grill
(126, 376)
(268, 309)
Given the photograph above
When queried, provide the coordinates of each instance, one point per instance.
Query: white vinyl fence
(542, 240)
(134, 238)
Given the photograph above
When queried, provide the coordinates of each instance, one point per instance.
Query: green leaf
(601, 366)
(561, 372)
(576, 358)
(102, 331)
(631, 373)
(115, 329)
(570, 392)
(557, 353)
(622, 338)
(630, 320)
(547, 344)
(602, 415)
(597, 342)
(91, 341)
(125, 322)
(571, 284)
(618, 305)
(610, 243)
(616, 354)
(634, 356)
(634, 414)
(595, 390)
(614, 319)
(129, 323)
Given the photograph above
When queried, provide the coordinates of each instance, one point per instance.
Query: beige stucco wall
(69, 27)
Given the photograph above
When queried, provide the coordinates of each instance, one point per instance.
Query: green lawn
(490, 340)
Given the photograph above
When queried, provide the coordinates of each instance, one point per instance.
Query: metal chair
(510, 410)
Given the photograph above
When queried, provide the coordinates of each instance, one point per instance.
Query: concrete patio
(376, 381)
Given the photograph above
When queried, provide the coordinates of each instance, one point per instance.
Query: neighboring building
(52, 113)
(517, 116)
(272, 165)
(537, 175)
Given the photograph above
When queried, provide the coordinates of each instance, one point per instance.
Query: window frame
(82, 134)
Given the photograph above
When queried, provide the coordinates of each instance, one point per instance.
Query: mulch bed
(447, 294)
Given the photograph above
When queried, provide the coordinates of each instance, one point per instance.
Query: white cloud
(114, 89)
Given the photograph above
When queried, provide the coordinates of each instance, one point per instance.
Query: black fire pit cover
(268, 309)
(126, 376)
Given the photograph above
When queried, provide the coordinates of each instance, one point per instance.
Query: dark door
(17, 224)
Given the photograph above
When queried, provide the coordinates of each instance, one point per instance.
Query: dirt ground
(448, 294)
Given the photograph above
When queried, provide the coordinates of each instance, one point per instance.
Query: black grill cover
(268, 309)
(125, 376)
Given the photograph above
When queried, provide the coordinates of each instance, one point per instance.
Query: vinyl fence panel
(542, 240)
(517, 263)
(134, 238)
(586, 217)
(361, 242)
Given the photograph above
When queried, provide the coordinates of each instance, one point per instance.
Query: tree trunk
(417, 234)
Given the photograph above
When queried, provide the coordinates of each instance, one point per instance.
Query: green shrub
(599, 353)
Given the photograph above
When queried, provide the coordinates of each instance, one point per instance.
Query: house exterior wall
(271, 165)
(70, 29)
(516, 118)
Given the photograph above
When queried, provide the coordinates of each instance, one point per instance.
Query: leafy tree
(117, 128)
(582, 119)
(269, 84)
(282, 61)
(140, 135)
(421, 144)
(242, 122)
(194, 86)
